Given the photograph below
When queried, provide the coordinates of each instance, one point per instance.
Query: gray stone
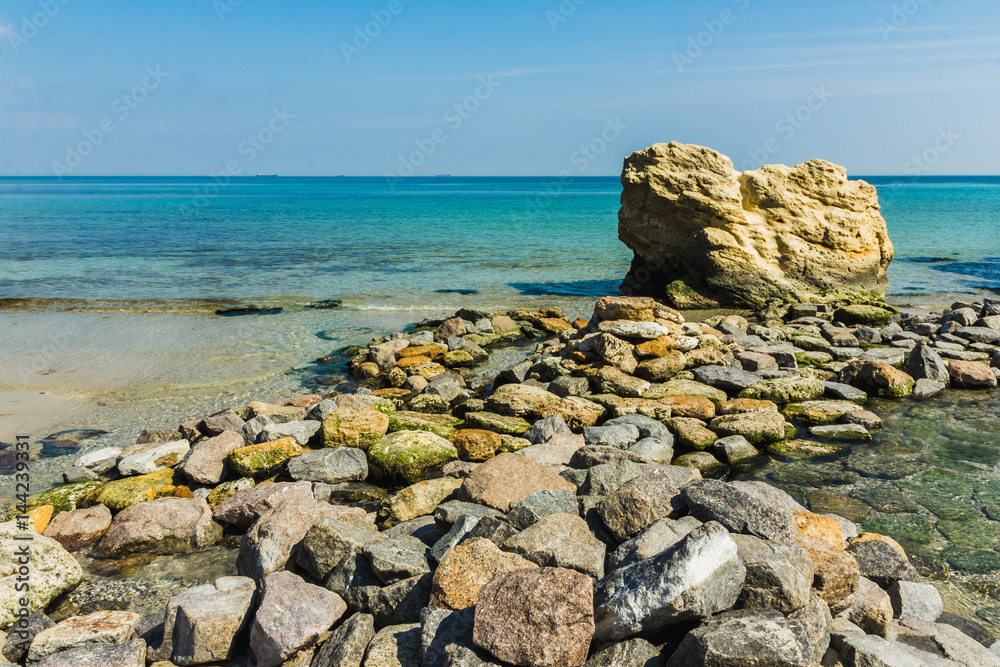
(397, 558)
(628, 653)
(206, 464)
(542, 430)
(883, 563)
(604, 479)
(841, 432)
(292, 616)
(494, 529)
(102, 627)
(638, 503)
(569, 386)
(560, 540)
(448, 513)
(652, 541)
(556, 451)
(345, 647)
(395, 646)
(446, 639)
(732, 380)
(843, 392)
(699, 576)
(459, 533)
(924, 389)
(424, 528)
(355, 582)
(779, 576)
(127, 654)
(244, 508)
(733, 449)
(21, 634)
(254, 427)
(747, 637)
(302, 431)
(868, 607)
(654, 450)
(206, 623)
(539, 505)
(330, 541)
(164, 525)
(167, 455)
(944, 642)
(925, 363)
(768, 494)
(402, 601)
(648, 427)
(331, 466)
(621, 436)
(445, 387)
(319, 412)
(100, 461)
(980, 335)
(911, 599)
(227, 420)
(738, 511)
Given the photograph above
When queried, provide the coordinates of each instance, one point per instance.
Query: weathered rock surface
(79, 528)
(510, 478)
(779, 576)
(292, 616)
(53, 571)
(167, 525)
(102, 627)
(537, 618)
(699, 576)
(245, 507)
(345, 647)
(738, 511)
(203, 623)
(206, 464)
(560, 540)
(803, 233)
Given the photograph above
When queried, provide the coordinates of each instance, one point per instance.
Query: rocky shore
(577, 508)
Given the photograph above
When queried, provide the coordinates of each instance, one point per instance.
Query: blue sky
(199, 86)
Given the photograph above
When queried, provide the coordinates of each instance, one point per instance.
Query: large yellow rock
(821, 527)
(466, 569)
(703, 231)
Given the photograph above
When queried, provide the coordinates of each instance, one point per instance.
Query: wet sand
(31, 413)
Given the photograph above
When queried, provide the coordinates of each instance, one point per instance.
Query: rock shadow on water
(594, 288)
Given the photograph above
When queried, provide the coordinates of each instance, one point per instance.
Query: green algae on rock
(502, 424)
(819, 411)
(864, 315)
(800, 449)
(408, 457)
(909, 527)
(264, 459)
(119, 494)
(441, 425)
(785, 390)
(64, 498)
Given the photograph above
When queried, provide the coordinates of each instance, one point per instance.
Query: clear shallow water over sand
(110, 288)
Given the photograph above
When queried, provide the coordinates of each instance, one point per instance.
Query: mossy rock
(813, 358)
(802, 449)
(383, 405)
(785, 390)
(978, 534)
(64, 498)
(351, 351)
(947, 508)
(810, 343)
(682, 297)
(442, 425)
(814, 476)
(910, 527)
(972, 561)
(704, 462)
(758, 428)
(352, 427)
(122, 493)
(502, 424)
(862, 314)
(489, 340)
(988, 493)
(264, 459)
(407, 457)
(511, 443)
(683, 387)
(953, 483)
(885, 499)
(819, 412)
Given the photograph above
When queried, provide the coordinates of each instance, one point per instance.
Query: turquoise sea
(109, 287)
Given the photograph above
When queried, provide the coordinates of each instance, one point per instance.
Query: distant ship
(267, 175)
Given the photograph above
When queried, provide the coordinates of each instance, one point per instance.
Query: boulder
(395, 646)
(784, 390)
(264, 459)
(654, 540)
(277, 535)
(79, 528)
(509, 478)
(345, 647)
(926, 364)
(882, 562)
(739, 511)
(206, 623)
(628, 653)
(638, 503)
(102, 627)
(541, 504)
(206, 464)
(407, 457)
(330, 466)
(704, 233)
(911, 599)
(330, 541)
(446, 639)
(748, 637)
(121, 493)
(835, 572)
(699, 576)
(869, 607)
(301, 431)
(877, 377)
(468, 567)
(53, 571)
(779, 576)
(560, 540)
(167, 455)
(242, 509)
(354, 427)
(519, 400)
(537, 618)
(758, 428)
(127, 654)
(166, 525)
(394, 559)
(292, 616)
(971, 374)
(417, 500)
(476, 444)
